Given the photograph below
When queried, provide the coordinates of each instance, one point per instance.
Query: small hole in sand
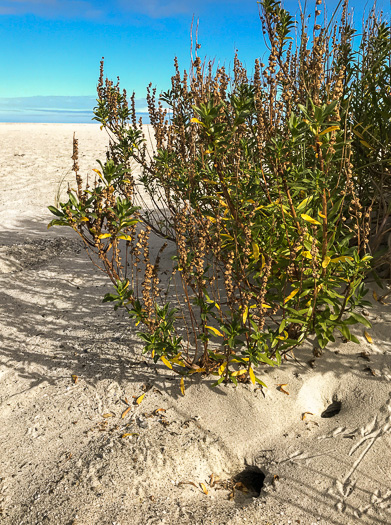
(252, 478)
(332, 410)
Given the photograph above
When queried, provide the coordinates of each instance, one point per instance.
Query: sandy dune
(63, 455)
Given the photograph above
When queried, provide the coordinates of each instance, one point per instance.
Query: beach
(78, 446)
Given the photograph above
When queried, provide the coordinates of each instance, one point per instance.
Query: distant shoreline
(3, 123)
(56, 109)
(33, 119)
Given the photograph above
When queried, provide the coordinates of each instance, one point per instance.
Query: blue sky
(52, 48)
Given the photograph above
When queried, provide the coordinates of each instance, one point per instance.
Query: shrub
(261, 187)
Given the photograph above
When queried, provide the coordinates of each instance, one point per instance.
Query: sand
(63, 455)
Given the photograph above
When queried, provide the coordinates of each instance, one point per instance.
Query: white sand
(62, 462)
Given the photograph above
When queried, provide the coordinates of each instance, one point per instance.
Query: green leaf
(55, 211)
(265, 359)
(345, 331)
(295, 320)
(73, 200)
(361, 319)
(109, 297)
(58, 222)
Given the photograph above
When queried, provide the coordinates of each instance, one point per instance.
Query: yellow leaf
(84, 219)
(255, 251)
(291, 295)
(204, 489)
(210, 301)
(125, 412)
(375, 296)
(305, 414)
(196, 120)
(107, 415)
(221, 369)
(74, 378)
(306, 254)
(140, 398)
(153, 351)
(239, 372)
(283, 336)
(212, 219)
(368, 337)
(304, 203)
(245, 314)
(125, 237)
(326, 261)
(321, 215)
(214, 330)
(104, 235)
(252, 376)
(265, 306)
(98, 172)
(328, 130)
(309, 219)
(166, 362)
(263, 261)
(182, 386)
(178, 361)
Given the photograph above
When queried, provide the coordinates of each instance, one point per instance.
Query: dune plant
(367, 105)
(254, 182)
